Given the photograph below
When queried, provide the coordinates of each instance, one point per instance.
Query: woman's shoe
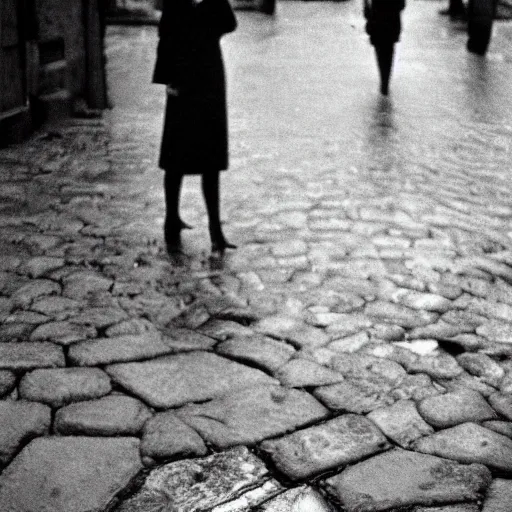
(220, 244)
(173, 242)
(172, 235)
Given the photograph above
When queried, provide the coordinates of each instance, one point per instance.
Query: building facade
(51, 58)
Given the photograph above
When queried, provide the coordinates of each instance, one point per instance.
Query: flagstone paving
(354, 354)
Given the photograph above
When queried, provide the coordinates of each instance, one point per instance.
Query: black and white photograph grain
(255, 255)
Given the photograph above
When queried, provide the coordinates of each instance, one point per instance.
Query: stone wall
(504, 10)
(62, 35)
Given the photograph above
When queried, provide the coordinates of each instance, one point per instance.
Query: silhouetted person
(456, 10)
(383, 25)
(195, 135)
(480, 14)
(268, 6)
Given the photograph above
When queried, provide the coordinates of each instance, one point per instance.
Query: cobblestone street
(353, 354)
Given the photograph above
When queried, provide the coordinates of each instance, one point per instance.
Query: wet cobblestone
(369, 301)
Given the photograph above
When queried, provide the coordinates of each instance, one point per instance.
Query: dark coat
(383, 21)
(189, 58)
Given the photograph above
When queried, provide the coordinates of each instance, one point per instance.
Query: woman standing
(195, 135)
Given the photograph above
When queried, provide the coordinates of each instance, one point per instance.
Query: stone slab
(401, 422)
(417, 479)
(55, 307)
(62, 332)
(178, 379)
(253, 499)
(82, 283)
(422, 301)
(11, 332)
(502, 402)
(466, 381)
(24, 295)
(99, 317)
(133, 326)
(461, 507)
(183, 340)
(221, 330)
(21, 316)
(323, 317)
(40, 265)
(292, 329)
(7, 382)
(468, 341)
(113, 415)
(442, 366)
(251, 415)
(299, 373)
(439, 330)
(165, 436)
(300, 499)
(9, 262)
(460, 406)
(64, 474)
(506, 383)
(193, 317)
(420, 346)
(499, 496)
(398, 314)
(259, 350)
(60, 386)
(199, 484)
(502, 427)
(387, 332)
(20, 421)
(482, 366)
(351, 343)
(349, 324)
(350, 397)
(469, 443)
(495, 330)
(289, 248)
(27, 356)
(118, 349)
(338, 442)
(369, 368)
(11, 286)
(417, 387)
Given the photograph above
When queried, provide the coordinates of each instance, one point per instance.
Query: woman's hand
(172, 91)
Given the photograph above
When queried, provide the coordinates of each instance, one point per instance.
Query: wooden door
(13, 87)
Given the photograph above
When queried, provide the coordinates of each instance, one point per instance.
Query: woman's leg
(385, 53)
(173, 223)
(211, 185)
(456, 9)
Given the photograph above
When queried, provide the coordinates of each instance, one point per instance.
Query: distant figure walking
(456, 10)
(268, 6)
(383, 25)
(195, 134)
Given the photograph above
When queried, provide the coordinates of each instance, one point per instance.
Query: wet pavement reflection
(367, 309)
(303, 99)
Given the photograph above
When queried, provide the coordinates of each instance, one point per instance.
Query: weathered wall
(65, 19)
